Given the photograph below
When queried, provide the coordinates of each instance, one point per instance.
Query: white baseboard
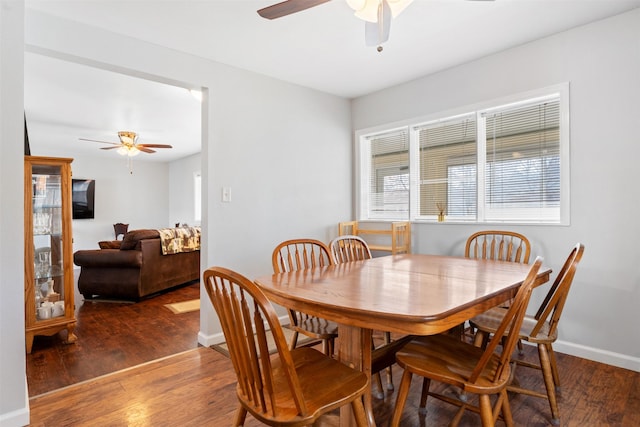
(19, 417)
(209, 340)
(598, 355)
(15, 418)
(577, 350)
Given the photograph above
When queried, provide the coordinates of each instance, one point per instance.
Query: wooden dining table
(408, 294)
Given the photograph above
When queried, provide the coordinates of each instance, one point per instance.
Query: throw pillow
(110, 244)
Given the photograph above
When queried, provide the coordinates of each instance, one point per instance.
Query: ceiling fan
(377, 14)
(128, 145)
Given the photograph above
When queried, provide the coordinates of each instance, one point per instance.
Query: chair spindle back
(551, 308)
(244, 311)
(300, 254)
(511, 323)
(349, 248)
(499, 246)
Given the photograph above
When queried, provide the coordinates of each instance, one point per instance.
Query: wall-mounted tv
(83, 192)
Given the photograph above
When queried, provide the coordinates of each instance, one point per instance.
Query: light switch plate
(226, 194)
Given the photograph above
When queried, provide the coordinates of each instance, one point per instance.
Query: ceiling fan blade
(102, 142)
(145, 149)
(110, 148)
(154, 145)
(288, 7)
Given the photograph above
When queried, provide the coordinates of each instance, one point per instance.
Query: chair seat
(315, 371)
(489, 322)
(446, 359)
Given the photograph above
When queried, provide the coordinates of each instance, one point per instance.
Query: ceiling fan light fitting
(128, 150)
(367, 10)
(128, 138)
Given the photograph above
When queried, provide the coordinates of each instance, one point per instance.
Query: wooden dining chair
(541, 329)
(291, 387)
(499, 246)
(484, 372)
(301, 254)
(120, 229)
(348, 248)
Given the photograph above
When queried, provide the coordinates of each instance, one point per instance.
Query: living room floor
(113, 335)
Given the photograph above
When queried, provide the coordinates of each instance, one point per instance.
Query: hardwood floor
(113, 336)
(197, 386)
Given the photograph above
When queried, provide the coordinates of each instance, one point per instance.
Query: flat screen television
(83, 192)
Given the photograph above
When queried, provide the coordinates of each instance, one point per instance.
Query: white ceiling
(321, 48)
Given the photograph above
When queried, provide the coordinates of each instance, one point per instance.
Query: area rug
(303, 340)
(184, 307)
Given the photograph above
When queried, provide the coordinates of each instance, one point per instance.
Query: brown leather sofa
(135, 269)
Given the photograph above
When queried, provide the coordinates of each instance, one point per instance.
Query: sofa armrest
(108, 258)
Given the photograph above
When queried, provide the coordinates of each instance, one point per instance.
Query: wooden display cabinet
(48, 249)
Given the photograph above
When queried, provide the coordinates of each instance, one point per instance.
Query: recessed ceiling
(321, 48)
(66, 101)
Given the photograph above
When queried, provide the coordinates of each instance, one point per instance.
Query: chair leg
(545, 365)
(480, 340)
(387, 340)
(554, 366)
(422, 409)
(506, 408)
(327, 347)
(403, 392)
(241, 415)
(486, 412)
(378, 380)
(359, 413)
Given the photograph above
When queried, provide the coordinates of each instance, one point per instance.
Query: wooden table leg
(355, 351)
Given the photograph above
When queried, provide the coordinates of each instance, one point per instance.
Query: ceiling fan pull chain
(380, 24)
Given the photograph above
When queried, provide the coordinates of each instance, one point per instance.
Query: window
(387, 176)
(504, 163)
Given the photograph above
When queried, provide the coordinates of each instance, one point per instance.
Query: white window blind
(388, 179)
(522, 170)
(447, 162)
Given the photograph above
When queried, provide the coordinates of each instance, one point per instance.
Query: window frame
(363, 154)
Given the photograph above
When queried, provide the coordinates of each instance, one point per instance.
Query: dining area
(408, 316)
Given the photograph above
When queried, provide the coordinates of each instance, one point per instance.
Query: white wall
(140, 199)
(150, 197)
(601, 61)
(181, 189)
(285, 151)
(13, 385)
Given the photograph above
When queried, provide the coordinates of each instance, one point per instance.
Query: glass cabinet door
(48, 257)
(48, 249)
